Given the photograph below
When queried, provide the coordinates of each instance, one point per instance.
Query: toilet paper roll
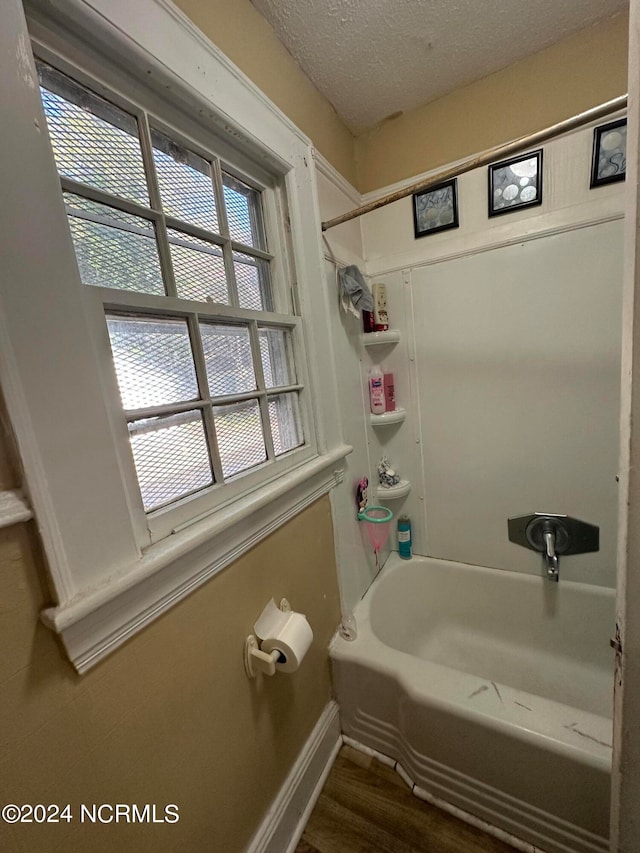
(286, 632)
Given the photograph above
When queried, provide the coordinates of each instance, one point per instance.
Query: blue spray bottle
(404, 537)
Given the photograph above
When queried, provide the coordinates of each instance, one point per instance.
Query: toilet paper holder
(255, 660)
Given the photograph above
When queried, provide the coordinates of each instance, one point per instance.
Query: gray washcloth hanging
(354, 290)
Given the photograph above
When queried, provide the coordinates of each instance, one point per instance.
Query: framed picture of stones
(436, 209)
(516, 183)
(609, 159)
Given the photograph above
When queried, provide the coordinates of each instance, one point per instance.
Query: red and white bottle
(380, 316)
(376, 390)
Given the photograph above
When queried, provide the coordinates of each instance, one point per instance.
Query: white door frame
(625, 793)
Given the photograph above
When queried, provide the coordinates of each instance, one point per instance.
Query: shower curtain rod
(484, 159)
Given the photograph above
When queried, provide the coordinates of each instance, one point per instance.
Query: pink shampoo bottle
(376, 390)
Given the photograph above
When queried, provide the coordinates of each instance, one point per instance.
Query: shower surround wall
(509, 363)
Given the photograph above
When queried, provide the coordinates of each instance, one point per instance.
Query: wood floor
(365, 807)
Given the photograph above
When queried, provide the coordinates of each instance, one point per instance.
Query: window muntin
(196, 208)
(226, 372)
(185, 183)
(286, 422)
(193, 382)
(153, 361)
(252, 278)
(240, 436)
(277, 359)
(244, 214)
(94, 142)
(228, 359)
(198, 268)
(113, 248)
(171, 458)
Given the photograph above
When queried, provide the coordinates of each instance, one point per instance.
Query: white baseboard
(286, 818)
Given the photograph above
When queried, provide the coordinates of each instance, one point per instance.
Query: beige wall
(573, 75)
(567, 78)
(239, 30)
(171, 716)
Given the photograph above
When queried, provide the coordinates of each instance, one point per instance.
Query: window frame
(154, 525)
(106, 582)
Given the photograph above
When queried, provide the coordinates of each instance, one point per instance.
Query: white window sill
(99, 620)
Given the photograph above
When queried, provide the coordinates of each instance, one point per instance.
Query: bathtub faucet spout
(553, 534)
(550, 556)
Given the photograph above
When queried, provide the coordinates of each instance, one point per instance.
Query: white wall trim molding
(336, 178)
(285, 820)
(14, 508)
(545, 225)
(93, 625)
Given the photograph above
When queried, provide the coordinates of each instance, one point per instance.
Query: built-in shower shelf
(372, 339)
(387, 418)
(394, 492)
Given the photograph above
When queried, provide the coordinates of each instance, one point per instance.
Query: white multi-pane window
(166, 343)
(181, 254)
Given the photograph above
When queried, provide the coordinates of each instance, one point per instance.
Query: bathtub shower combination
(492, 690)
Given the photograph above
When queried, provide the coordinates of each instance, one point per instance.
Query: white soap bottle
(376, 390)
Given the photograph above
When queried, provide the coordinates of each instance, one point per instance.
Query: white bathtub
(492, 690)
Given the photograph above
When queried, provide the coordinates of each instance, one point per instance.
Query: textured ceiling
(373, 58)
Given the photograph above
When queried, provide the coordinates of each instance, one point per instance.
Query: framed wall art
(436, 209)
(516, 183)
(609, 159)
